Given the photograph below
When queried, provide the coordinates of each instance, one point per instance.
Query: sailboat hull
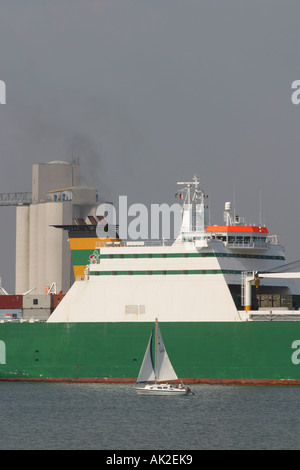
(162, 389)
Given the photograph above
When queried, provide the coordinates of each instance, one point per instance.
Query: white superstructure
(198, 277)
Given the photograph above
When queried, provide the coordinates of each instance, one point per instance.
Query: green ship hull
(204, 352)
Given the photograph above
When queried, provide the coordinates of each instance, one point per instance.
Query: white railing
(134, 243)
(260, 242)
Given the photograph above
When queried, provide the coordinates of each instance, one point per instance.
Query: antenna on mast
(194, 218)
(260, 218)
(234, 203)
(189, 184)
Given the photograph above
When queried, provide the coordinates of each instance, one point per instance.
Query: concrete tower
(42, 251)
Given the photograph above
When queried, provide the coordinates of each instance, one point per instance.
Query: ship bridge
(236, 234)
(241, 236)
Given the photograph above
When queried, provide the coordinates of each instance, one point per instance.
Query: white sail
(164, 368)
(147, 373)
(158, 371)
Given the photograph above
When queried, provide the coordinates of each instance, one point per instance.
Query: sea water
(57, 416)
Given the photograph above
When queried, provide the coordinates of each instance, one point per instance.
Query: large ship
(225, 298)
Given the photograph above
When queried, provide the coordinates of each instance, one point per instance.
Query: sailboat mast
(155, 354)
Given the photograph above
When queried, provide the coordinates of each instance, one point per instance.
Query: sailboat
(155, 373)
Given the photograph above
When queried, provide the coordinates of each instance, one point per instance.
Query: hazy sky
(150, 92)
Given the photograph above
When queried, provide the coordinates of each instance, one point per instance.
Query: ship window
(131, 309)
(149, 255)
(35, 301)
(142, 309)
